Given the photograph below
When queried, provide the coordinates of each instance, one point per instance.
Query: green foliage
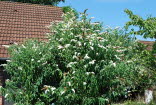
(154, 48)
(45, 2)
(31, 75)
(69, 9)
(81, 64)
(147, 27)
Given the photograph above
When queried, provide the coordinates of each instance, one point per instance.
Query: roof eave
(4, 59)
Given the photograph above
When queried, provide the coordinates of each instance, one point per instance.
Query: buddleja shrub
(81, 64)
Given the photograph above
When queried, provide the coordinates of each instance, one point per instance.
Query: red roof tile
(148, 43)
(20, 21)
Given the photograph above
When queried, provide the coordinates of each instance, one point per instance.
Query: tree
(147, 27)
(45, 2)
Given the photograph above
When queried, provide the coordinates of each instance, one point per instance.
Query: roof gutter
(4, 59)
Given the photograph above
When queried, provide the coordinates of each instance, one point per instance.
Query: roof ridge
(31, 4)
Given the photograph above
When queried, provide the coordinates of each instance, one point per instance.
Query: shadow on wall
(8, 103)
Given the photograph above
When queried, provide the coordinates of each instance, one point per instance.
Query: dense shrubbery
(146, 28)
(81, 64)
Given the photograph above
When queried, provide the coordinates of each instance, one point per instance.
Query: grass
(134, 103)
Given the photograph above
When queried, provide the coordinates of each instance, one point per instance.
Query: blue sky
(111, 12)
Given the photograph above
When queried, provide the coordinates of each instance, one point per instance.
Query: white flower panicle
(117, 57)
(73, 90)
(71, 64)
(84, 83)
(62, 92)
(96, 23)
(44, 63)
(101, 46)
(69, 83)
(6, 95)
(8, 60)
(73, 40)
(96, 30)
(92, 48)
(88, 73)
(92, 62)
(52, 88)
(19, 68)
(49, 88)
(79, 43)
(73, 72)
(86, 57)
(60, 47)
(91, 43)
(23, 46)
(67, 45)
(6, 46)
(3, 65)
(75, 57)
(61, 39)
(112, 63)
(129, 61)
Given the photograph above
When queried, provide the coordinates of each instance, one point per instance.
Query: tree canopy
(147, 27)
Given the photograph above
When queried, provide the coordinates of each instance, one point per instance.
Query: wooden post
(1, 100)
(148, 95)
(154, 94)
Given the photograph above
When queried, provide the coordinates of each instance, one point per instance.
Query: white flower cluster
(86, 57)
(92, 62)
(117, 57)
(101, 46)
(3, 65)
(69, 83)
(75, 56)
(84, 83)
(88, 73)
(112, 63)
(63, 47)
(49, 88)
(20, 68)
(6, 95)
(71, 64)
(6, 46)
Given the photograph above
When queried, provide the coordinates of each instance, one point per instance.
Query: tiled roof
(148, 43)
(20, 21)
